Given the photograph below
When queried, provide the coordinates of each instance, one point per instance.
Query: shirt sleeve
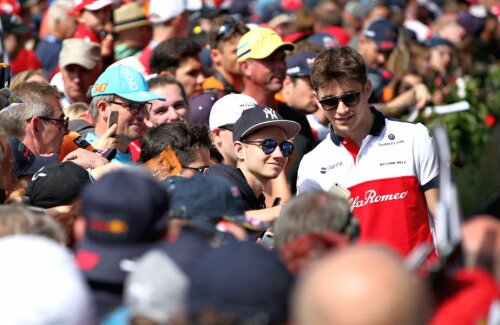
(425, 155)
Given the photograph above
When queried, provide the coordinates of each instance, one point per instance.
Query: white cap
(41, 283)
(160, 12)
(228, 109)
(92, 5)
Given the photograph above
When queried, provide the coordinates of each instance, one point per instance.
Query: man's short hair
(223, 29)
(93, 110)
(317, 211)
(158, 82)
(169, 54)
(338, 63)
(36, 91)
(185, 139)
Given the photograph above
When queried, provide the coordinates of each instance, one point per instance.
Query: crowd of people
(237, 162)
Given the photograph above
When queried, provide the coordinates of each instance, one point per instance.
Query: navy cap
(57, 184)
(25, 162)
(200, 107)
(243, 280)
(299, 65)
(258, 117)
(126, 215)
(324, 40)
(207, 199)
(383, 32)
(437, 41)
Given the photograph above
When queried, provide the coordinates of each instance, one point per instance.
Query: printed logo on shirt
(324, 169)
(371, 196)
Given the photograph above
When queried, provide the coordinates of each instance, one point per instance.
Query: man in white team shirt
(390, 167)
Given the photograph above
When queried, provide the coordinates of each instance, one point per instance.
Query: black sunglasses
(133, 107)
(269, 145)
(225, 29)
(201, 169)
(61, 122)
(332, 102)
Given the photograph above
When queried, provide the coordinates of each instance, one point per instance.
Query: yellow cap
(259, 43)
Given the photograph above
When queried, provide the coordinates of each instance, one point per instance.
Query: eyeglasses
(134, 108)
(332, 102)
(269, 145)
(61, 123)
(225, 29)
(200, 170)
(228, 127)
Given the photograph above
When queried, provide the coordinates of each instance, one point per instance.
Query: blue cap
(26, 163)
(299, 65)
(123, 81)
(437, 41)
(324, 40)
(383, 32)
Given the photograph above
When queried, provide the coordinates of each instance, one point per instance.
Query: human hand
(107, 140)
(85, 158)
(422, 96)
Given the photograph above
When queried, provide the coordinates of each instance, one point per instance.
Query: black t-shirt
(235, 176)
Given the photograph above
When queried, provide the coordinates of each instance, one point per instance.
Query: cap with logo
(92, 5)
(126, 215)
(123, 81)
(260, 117)
(161, 13)
(25, 162)
(228, 109)
(383, 32)
(129, 16)
(323, 39)
(259, 43)
(299, 65)
(79, 52)
(57, 184)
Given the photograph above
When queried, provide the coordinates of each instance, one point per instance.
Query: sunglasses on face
(332, 102)
(200, 170)
(269, 145)
(134, 108)
(61, 123)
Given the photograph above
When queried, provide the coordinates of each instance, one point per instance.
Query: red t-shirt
(25, 60)
(86, 34)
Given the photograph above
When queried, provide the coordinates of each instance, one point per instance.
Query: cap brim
(140, 96)
(291, 128)
(99, 5)
(103, 263)
(265, 52)
(40, 161)
(87, 64)
(119, 28)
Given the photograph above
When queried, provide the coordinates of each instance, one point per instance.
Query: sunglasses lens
(286, 148)
(268, 146)
(332, 102)
(351, 99)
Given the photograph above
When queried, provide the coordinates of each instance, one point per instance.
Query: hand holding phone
(112, 118)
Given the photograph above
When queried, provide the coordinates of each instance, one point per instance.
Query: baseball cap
(26, 163)
(228, 109)
(241, 279)
(14, 24)
(207, 199)
(92, 5)
(77, 51)
(129, 16)
(125, 213)
(259, 43)
(299, 65)
(124, 81)
(57, 184)
(383, 32)
(41, 284)
(438, 41)
(200, 107)
(259, 117)
(324, 40)
(156, 295)
(160, 13)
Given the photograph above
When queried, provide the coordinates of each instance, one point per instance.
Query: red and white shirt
(386, 176)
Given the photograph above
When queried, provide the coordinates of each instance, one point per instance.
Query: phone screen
(112, 118)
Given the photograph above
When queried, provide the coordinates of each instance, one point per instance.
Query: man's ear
(102, 107)
(216, 138)
(148, 122)
(316, 99)
(245, 68)
(165, 73)
(215, 56)
(238, 150)
(367, 89)
(35, 126)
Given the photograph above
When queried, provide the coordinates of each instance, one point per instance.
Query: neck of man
(360, 133)
(235, 80)
(261, 96)
(256, 183)
(162, 33)
(32, 145)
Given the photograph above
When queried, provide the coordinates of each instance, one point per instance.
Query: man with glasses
(222, 38)
(262, 146)
(389, 167)
(123, 89)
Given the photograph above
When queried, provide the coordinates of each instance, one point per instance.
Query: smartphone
(112, 118)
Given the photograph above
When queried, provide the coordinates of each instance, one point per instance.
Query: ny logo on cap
(270, 113)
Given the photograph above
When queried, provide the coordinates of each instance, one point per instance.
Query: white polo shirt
(385, 176)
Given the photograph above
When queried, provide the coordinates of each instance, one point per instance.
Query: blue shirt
(121, 157)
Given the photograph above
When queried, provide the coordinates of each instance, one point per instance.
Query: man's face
(227, 55)
(347, 120)
(96, 20)
(268, 73)
(173, 109)
(440, 58)
(300, 94)
(77, 81)
(53, 128)
(256, 162)
(190, 75)
(223, 139)
(130, 119)
(201, 162)
(374, 57)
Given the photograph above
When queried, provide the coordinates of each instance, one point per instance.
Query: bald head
(361, 285)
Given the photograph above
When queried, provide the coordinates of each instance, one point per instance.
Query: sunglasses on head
(225, 29)
(269, 145)
(332, 102)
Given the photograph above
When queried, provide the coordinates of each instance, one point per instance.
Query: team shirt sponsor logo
(371, 196)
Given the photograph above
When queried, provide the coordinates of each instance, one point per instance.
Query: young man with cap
(262, 147)
(376, 44)
(93, 16)
(132, 28)
(261, 54)
(123, 89)
(389, 167)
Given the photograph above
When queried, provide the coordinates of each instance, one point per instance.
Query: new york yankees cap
(259, 117)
